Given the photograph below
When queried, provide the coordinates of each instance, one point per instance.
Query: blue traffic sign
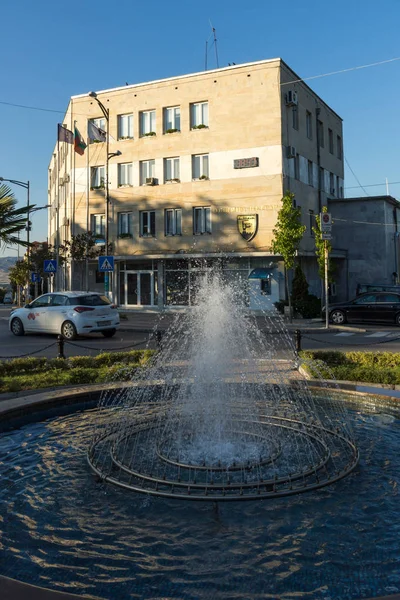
(50, 266)
(36, 278)
(106, 264)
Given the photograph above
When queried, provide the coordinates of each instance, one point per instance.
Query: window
(173, 221)
(42, 301)
(330, 135)
(297, 167)
(321, 177)
(171, 169)
(310, 172)
(148, 122)
(125, 127)
(59, 300)
(199, 115)
(99, 225)
(311, 221)
(125, 224)
(309, 124)
(147, 170)
(331, 184)
(339, 147)
(98, 177)
(100, 123)
(266, 287)
(295, 117)
(369, 298)
(200, 166)
(172, 119)
(201, 220)
(321, 134)
(125, 174)
(148, 223)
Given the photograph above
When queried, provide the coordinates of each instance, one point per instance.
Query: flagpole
(87, 214)
(55, 280)
(73, 188)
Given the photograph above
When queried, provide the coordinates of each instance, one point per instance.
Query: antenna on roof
(214, 35)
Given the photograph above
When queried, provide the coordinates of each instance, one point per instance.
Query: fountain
(222, 413)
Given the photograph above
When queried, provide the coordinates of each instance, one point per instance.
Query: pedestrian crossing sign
(50, 266)
(106, 264)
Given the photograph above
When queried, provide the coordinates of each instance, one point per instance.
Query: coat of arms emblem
(247, 226)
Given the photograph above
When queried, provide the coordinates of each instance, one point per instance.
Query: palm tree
(12, 219)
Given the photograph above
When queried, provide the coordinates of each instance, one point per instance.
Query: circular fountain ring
(124, 461)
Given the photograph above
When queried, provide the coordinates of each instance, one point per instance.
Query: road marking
(344, 334)
(378, 334)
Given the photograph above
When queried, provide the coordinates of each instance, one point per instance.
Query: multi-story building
(197, 166)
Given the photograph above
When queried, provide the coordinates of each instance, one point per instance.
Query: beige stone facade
(184, 190)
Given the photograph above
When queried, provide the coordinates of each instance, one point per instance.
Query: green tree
(287, 236)
(320, 253)
(299, 286)
(79, 249)
(18, 275)
(12, 219)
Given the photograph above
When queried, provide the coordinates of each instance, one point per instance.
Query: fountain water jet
(221, 413)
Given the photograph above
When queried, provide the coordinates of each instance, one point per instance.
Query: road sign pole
(326, 287)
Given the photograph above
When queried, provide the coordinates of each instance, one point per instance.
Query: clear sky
(51, 50)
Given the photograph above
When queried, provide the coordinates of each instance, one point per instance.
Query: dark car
(378, 306)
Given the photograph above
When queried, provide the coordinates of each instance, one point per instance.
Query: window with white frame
(295, 117)
(171, 169)
(98, 225)
(310, 173)
(330, 140)
(147, 171)
(147, 223)
(125, 174)
(125, 127)
(199, 115)
(309, 124)
(201, 220)
(125, 224)
(200, 166)
(97, 177)
(297, 166)
(172, 119)
(331, 184)
(147, 122)
(100, 123)
(339, 147)
(173, 221)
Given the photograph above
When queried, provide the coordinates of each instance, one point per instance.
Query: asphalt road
(377, 337)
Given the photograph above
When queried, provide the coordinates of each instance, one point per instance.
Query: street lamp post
(26, 186)
(106, 113)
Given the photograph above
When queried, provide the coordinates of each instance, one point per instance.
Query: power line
(373, 185)
(356, 178)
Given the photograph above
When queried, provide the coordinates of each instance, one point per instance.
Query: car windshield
(90, 300)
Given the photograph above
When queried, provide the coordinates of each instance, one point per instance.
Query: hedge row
(367, 367)
(19, 366)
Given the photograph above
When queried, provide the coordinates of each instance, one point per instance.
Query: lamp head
(92, 94)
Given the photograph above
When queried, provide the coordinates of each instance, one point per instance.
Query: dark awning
(261, 273)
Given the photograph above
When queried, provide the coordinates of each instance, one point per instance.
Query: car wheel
(16, 327)
(338, 317)
(109, 332)
(68, 330)
(398, 319)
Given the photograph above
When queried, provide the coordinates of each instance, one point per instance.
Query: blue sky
(52, 50)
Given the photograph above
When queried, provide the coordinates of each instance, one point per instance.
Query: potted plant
(203, 177)
(149, 134)
(201, 126)
(171, 130)
(124, 236)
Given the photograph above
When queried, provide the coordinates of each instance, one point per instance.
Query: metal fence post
(297, 334)
(60, 343)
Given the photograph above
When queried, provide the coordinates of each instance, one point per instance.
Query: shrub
(87, 362)
(22, 365)
(82, 375)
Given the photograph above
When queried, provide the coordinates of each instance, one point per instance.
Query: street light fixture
(106, 113)
(26, 186)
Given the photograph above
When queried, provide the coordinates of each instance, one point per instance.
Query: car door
(362, 308)
(39, 316)
(59, 312)
(388, 307)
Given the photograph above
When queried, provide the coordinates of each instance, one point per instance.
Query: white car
(66, 313)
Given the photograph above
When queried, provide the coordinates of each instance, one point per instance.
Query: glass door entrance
(136, 288)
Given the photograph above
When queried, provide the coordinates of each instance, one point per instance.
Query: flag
(79, 144)
(95, 133)
(65, 135)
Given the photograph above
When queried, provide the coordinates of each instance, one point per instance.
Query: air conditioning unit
(150, 181)
(291, 98)
(290, 152)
